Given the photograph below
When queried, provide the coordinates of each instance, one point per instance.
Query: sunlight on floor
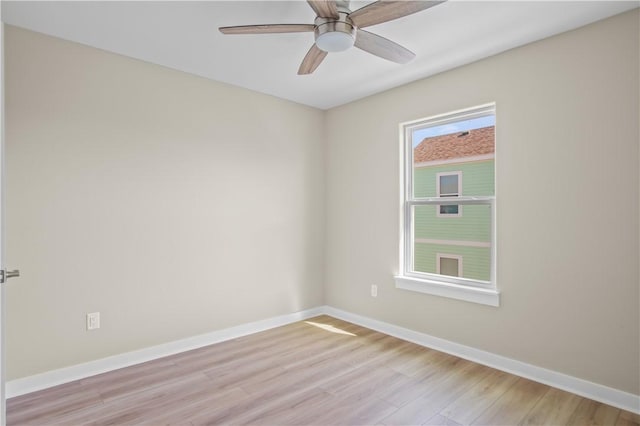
(330, 328)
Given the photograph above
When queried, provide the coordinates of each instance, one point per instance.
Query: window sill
(483, 296)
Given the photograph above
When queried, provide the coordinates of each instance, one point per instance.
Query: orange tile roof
(456, 145)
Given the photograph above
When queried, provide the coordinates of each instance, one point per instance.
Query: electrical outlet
(93, 320)
(374, 290)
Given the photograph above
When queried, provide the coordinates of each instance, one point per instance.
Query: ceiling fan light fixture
(335, 41)
(335, 35)
(336, 28)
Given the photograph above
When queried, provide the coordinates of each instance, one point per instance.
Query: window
(449, 185)
(436, 237)
(449, 264)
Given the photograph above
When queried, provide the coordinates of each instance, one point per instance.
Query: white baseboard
(597, 392)
(601, 393)
(75, 372)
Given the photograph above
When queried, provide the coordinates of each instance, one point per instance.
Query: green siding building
(454, 239)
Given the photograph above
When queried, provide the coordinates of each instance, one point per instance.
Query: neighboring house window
(449, 185)
(437, 152)
(449, 264)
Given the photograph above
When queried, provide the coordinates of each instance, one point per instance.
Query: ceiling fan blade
(383, 11)
(311, 61)
(382, 47)
(324, 8)
(267, 29)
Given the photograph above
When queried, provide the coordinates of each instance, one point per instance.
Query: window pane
(448, 266)
(468, 236)
(449, 209)
(452, 148)
(448, 185)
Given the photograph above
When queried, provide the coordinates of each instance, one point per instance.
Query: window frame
(439, 193)
(483, 292)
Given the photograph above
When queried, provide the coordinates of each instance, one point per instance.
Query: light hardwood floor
(321, 371)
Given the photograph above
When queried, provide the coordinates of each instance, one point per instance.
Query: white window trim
(457, 257)
(482, 296)
(460, 288)
(456, 173)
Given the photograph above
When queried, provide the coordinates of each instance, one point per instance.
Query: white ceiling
(183, 35)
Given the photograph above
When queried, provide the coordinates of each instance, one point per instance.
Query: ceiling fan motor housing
(335, 35)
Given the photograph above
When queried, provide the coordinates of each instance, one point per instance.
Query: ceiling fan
(337, 28)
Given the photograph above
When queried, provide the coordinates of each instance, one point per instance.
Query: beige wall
(171, 204)
(567, 209)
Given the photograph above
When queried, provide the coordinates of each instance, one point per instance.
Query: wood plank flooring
(322, 371)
